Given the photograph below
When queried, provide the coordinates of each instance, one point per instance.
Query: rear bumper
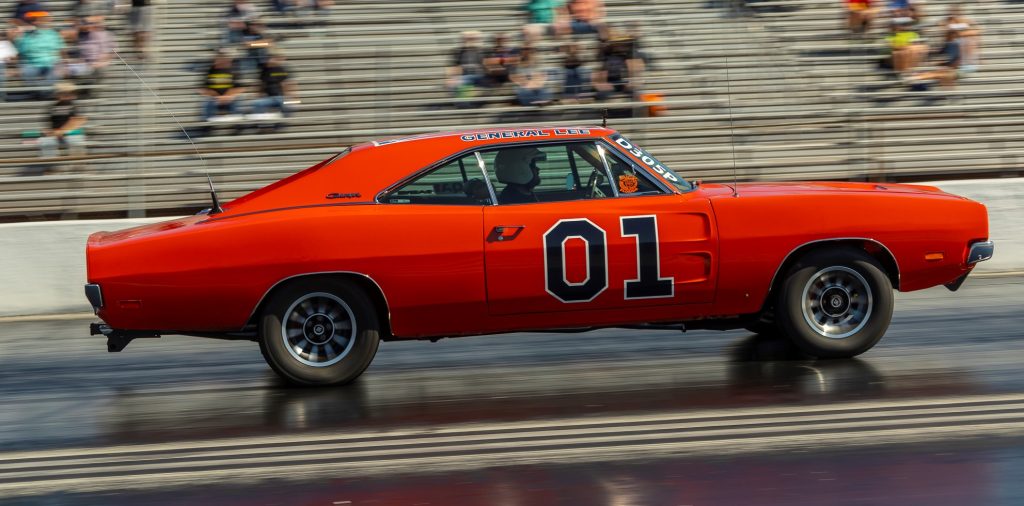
(978, 252)
(94, 293)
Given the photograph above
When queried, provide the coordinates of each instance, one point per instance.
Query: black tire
(834, 330)
(352, 350)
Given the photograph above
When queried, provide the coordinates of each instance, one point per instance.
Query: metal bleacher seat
(806, 100)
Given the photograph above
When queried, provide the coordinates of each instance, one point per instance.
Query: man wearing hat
(65, 123)
(22, 9)
(39, 51)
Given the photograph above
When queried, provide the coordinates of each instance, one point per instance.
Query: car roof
(469, 139)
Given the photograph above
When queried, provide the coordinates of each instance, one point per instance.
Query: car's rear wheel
(322, 332)
(835, 303)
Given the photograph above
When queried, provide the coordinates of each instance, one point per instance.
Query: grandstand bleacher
(806, 101)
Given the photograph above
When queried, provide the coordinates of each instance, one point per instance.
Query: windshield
(651, 162)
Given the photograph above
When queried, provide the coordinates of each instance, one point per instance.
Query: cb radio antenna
(732, 128)
(213, 192)
(604, 118)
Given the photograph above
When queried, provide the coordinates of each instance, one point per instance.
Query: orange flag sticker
(628, 183)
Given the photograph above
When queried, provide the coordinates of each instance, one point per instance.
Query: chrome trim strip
(487, 178)
(94, 293)
(980, 251)
(375, 283)
(833, 239)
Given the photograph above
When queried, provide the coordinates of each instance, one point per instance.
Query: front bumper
(94, 293)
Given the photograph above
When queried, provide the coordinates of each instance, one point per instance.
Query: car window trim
(665, 189)
(487, 178)
(567, 144)
(475, 149)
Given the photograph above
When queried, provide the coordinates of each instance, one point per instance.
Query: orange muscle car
(516, 229)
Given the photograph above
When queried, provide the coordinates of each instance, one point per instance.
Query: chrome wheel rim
(837, 302)
(319, 329)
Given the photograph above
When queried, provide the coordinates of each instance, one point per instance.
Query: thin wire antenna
(732, 129)
(168, 110)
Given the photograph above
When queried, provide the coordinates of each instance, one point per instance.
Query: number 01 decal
(647, 285)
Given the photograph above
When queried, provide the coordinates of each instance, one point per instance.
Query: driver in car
(517, 168)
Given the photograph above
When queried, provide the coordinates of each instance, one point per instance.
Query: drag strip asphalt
(169, 413)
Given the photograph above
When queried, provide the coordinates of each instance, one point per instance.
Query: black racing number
(649, 284)
(555, 280)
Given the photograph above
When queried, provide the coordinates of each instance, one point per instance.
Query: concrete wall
(42, 265)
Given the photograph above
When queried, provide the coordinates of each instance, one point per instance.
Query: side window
(630, 179)
(548, 173)
(459, 183)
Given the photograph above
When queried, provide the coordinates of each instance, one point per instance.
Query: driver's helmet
(515, 165)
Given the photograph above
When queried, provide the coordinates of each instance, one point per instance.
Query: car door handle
(505, 232)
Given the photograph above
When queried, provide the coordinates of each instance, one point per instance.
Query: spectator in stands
(89, 8)
(635, 31)
(22, 10)
(859, 15)
(542, 16)
(66, 124)
(530, 79)
(947, 67)
(257, 44)
(277, 89)
(585, 17)
(222, 88)
(238, 17)
(907, 48)
(621, 70)
(467, 70)
(243, 9)
(96, 48)
(39, 51)
(140, 18)
(969, 37)
(574, 73)
(906, 9)
(8, 57)
(499, 62)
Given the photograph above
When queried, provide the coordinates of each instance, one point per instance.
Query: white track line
(448, 463)
(530, 436)
(565, 423)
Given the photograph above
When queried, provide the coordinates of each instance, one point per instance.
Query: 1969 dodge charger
(542, 229)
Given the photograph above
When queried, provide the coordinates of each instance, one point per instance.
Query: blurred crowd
(566, 51)
(246, 82)
(494, 66)
(921, 53)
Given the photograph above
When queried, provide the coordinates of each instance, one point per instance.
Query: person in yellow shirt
(906, 46)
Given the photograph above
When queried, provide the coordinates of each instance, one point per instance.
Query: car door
(601, 233)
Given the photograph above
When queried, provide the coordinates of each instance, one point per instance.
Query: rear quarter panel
(758, 231)
(211, 275)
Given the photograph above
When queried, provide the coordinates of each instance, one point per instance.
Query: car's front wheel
(322, 332)
(835, 303)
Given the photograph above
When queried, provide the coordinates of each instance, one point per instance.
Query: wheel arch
(363, 281)
(871, 246)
